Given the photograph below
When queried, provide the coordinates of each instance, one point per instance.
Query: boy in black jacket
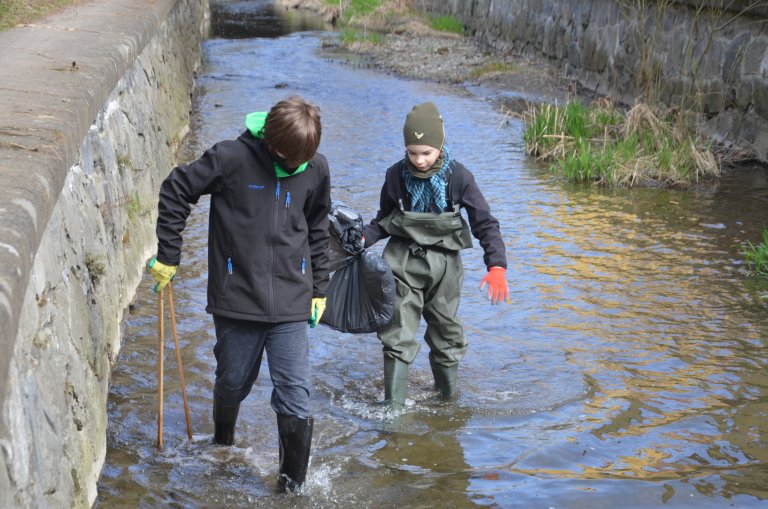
(267, 264)
(419, 211)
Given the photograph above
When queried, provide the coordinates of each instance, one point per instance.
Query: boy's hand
(162, 273)
(318, 307)
(497, 284)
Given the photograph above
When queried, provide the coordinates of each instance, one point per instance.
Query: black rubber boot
(445, 379)
(224, 420)
(395, 381)
(295, 436)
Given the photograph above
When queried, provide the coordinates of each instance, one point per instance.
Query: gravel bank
(411, 49)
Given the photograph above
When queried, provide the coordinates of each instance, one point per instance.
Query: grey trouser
(239, 348)
(428, 284)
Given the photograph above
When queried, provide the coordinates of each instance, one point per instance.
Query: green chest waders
(423, 253)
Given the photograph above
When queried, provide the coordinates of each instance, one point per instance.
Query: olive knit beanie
(424, 126)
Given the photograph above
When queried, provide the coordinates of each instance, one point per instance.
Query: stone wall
(707, 57)
(89, 126)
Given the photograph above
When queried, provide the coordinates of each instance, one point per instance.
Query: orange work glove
(497, 284)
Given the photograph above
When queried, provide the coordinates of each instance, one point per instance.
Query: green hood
(255, 123)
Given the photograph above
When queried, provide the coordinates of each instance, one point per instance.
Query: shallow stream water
(629, 369)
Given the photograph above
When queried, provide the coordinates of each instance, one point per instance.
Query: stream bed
(628, 370)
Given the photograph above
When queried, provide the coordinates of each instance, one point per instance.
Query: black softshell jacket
(268, 238)
(484, 227)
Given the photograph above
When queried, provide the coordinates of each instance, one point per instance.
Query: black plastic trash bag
(361, 295)
(346, 228)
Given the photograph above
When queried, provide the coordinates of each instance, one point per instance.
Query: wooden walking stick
(178, 360)
(160, 335)
(161, 367)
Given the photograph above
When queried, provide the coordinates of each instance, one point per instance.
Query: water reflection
(242, 19)
(426, 459)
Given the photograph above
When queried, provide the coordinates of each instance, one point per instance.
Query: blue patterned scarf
(425, 192)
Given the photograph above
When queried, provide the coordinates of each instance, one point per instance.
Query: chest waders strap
(455, 183)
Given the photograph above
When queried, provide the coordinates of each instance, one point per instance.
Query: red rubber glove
(497, 284)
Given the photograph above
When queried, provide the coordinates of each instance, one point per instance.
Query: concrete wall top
(56, 76)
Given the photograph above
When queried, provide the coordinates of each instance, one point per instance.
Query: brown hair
(292, 130)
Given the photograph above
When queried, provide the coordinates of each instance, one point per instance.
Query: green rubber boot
(395, 381)
(445, 379)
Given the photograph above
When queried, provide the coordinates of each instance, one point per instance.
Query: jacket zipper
(275, 223)
(230, 243)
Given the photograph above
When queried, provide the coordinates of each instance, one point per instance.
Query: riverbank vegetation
(654, 143)
(447, 24)
(19, 12)
(364, 21)
(602, 144)
(757, 256)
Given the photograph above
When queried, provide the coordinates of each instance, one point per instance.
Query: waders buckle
(417, 250)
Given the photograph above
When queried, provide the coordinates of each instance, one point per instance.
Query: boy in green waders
(420, 213)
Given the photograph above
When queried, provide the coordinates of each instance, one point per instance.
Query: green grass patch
(350, 8)
(599, 143)
(757, 256)
(18, 12)
(351, 35)
(447, 24)
(353, 21)
(492, 67)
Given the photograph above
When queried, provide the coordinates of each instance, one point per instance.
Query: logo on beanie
(418, 136)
